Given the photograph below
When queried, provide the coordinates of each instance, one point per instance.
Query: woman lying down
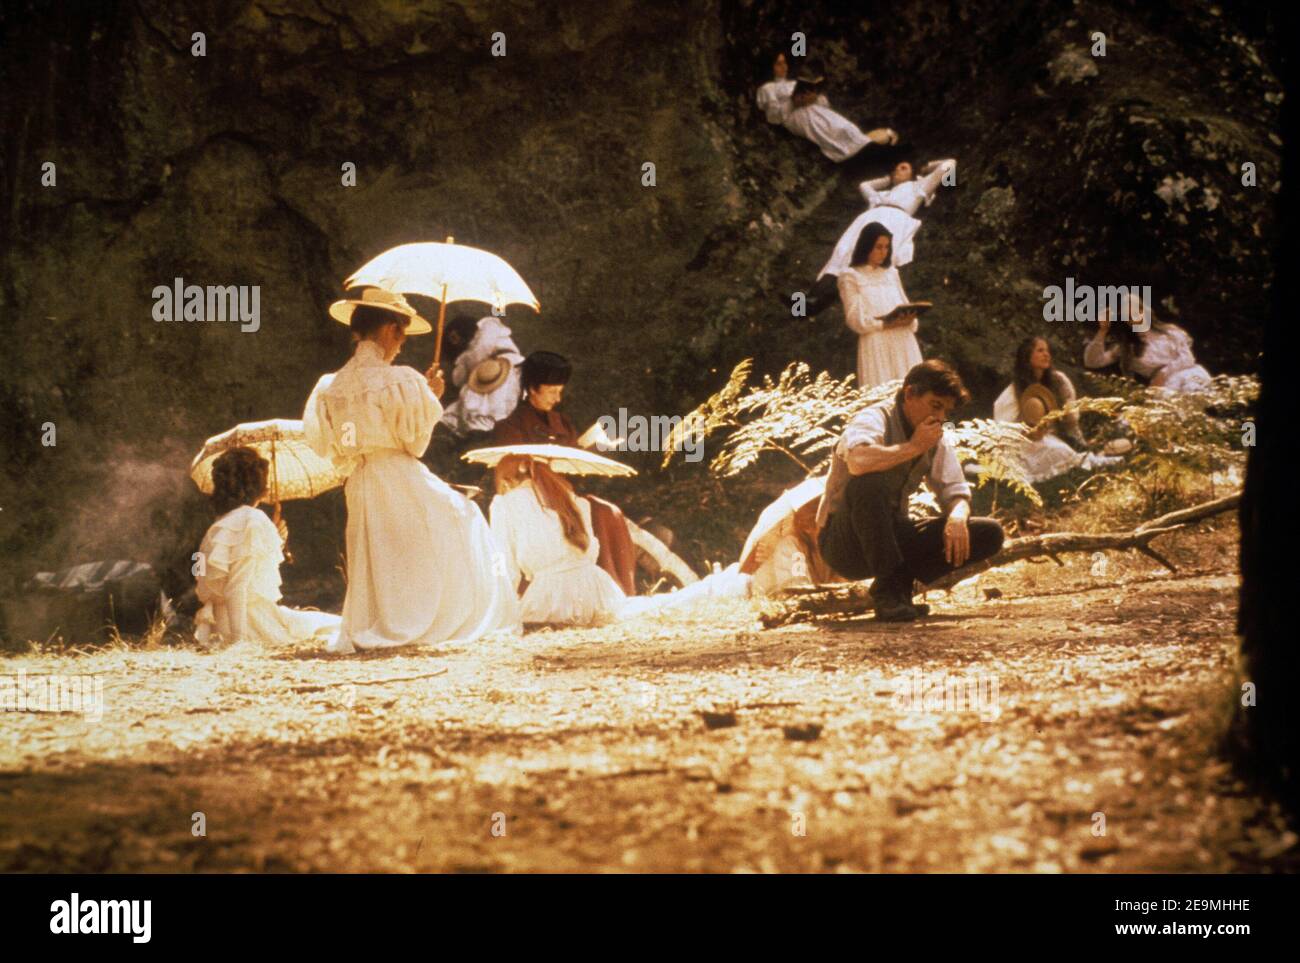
(549, 550)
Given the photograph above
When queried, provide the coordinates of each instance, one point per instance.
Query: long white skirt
(422, 563)
(582, 594)
(1048, 457)
(901, 225)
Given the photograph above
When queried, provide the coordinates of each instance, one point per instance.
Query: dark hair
(462, 328)
(544, 368)
(867, 240)
(238, 478)
(1023, 372)
(939, 377)
(367, 319)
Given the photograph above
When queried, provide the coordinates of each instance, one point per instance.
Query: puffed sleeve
(1006, 407)
(871, 190)
(315, 420)
(857, 307)
(1097, 355)
(411, 409)
(931, 182)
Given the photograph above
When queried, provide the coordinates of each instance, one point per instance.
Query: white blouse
(473, 411)
(774, 99)
(1167, 360)
(909, 195)
(240, 585)
(368, 406)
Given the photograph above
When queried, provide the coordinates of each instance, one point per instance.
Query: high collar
(368, 352)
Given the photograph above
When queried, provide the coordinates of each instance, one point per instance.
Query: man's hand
(956, 535)
(927, 435)
(436, 383)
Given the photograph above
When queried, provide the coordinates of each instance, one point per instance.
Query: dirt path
(589, 750)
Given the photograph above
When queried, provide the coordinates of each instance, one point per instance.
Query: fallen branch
(400, 678)
(854, 597)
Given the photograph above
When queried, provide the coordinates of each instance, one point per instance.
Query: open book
(597, 437)
(911, 307)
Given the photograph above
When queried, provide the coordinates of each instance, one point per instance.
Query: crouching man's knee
(986, 538)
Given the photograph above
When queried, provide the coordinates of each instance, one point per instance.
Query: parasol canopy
(296, 470)
(559, 458)
(790, 501)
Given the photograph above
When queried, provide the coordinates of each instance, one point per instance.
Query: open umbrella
(296, 470)
(790, 501)
(559, 458)
(448, 272)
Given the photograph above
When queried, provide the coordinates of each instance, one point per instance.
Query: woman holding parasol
(421, 562)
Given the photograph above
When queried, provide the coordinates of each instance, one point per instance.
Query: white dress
(894, 207)
(837, 136)
(883, 353)
(472, 411)
(774, 99)
(240, 585)
(422, 565)
(1049, 456)
(565, 585)
(1166, 362)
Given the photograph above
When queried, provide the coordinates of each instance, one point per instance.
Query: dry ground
(589, 750)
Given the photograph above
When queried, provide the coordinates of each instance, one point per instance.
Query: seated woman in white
(545, 533)
(869, 290)
(1161, 356)
(892, 201)
(239, 564)
(1047, 454)
(811, 116)
(774, 96)
(422, 565)
(482, 402)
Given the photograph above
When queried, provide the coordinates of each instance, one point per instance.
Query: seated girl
(545, 533)
(239, 572)
(1160, 356)
(1042, 388)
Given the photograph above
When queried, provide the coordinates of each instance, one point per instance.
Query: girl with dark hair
(421, 562)
(545, 531)
(809, 114)
(237, 569)
(892, 200)
(870, 289)
(1037, 388)
(1161, 355)
(774, 96)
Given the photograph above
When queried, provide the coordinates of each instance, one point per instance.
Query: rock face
(229, 169)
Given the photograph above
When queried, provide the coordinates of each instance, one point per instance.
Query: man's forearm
(864, 459)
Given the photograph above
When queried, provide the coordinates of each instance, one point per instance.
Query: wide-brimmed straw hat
(1035, 402)
(489, 375)
(341, 311)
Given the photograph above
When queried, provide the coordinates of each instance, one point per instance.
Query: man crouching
(884, 453)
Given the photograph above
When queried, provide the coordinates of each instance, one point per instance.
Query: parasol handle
(275, 514)
(442, 314)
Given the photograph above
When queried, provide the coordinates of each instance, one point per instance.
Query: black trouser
(871, 537)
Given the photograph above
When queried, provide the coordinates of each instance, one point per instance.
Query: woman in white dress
(478, 410)
(1047, 454)
(546, 535)
(892, 201)
(422, 565)
(810, 116)
(239, 572)
(774, 96)
(869, 290)
(1161, 356)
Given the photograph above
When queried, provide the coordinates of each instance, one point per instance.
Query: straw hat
(1035, 402)
(379, 298)
(489, 375)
